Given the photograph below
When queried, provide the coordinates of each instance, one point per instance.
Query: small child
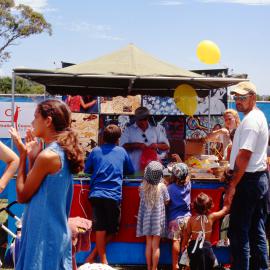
(178, 210)
(151, 216)
(198, 233)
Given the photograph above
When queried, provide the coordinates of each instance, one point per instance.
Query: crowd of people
(51, 153)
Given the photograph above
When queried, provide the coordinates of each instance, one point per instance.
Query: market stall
(144, 81)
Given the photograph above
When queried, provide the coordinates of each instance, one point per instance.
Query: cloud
(96, 31)
(168, 3)
(242, 2)
(37, 5)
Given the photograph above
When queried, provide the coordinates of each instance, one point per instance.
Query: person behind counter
(223, 135)
(140, 135)
(107, 164)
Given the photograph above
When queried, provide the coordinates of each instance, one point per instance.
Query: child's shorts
(176, 228)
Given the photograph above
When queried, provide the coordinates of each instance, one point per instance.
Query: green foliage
(18, 22)
(23, 86)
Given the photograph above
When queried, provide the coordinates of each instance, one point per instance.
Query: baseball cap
(244, 88)
(153, 172)
(141, 113)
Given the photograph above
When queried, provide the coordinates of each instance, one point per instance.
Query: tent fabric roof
(129, 71)
(130, 60)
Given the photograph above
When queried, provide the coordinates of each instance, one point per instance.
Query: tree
(23, 86)
(18, 22)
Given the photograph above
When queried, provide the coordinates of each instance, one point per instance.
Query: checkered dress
(153, 221)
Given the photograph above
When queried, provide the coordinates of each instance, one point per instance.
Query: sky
(167, 29)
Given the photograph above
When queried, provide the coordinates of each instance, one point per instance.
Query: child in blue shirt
(178, 209)
(107, 164)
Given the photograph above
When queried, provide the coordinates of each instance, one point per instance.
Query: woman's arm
(12, 161)
(47, 162)
(88, 105)
(214, 135)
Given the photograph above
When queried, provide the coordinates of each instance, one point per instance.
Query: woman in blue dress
(46, 189)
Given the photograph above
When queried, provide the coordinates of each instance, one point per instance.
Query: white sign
(23, 117)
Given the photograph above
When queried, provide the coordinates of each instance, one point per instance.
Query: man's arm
(134, 146)
(240, 166)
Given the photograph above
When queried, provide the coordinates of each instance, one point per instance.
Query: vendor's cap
(153, 172)
(180, 170)
(141, 113)
(244, 88)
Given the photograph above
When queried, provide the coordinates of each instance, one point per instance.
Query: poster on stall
(218, 102)
(160, 105)
(166, 105)
(86, 125)
(119, 105)
(23, 116)
(197, 126)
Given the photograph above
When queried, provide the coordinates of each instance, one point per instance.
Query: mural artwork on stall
(166, 105)
(197, 128)
(82, 104)
(119, 105)
(86, 125)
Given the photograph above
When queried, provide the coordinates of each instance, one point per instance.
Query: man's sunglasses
(241, 98)
(145, 139)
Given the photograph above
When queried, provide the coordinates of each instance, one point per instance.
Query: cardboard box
(194, 147)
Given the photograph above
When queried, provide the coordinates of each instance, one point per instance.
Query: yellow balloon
(208, 52)
(185, 98)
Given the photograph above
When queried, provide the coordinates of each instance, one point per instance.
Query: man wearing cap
(141, 135)
(247, 191)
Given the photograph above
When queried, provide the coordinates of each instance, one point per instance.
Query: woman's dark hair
(203, 204)
(111, 134)
(67, 138)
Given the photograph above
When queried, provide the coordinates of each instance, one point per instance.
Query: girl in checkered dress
(151, 216)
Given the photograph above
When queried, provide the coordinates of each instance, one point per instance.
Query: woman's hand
(18, 141)
(33, 146)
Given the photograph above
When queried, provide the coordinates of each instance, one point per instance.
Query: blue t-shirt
(179, 205)
(107, 164)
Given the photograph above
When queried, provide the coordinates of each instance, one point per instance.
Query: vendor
(224, 135)
(140, 135)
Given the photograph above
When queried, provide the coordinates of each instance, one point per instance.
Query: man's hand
(153, 146)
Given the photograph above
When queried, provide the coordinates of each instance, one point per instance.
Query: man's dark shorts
(106, 215)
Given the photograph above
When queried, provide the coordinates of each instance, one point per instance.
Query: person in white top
(248, 190)
(141, 135)
(223, 135)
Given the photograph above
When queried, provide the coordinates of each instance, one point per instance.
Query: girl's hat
(153, 173)
(180, 170)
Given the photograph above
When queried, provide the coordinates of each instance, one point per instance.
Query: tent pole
(209, 119)
(13, 102)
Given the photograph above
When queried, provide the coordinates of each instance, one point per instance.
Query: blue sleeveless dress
(46, 239)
